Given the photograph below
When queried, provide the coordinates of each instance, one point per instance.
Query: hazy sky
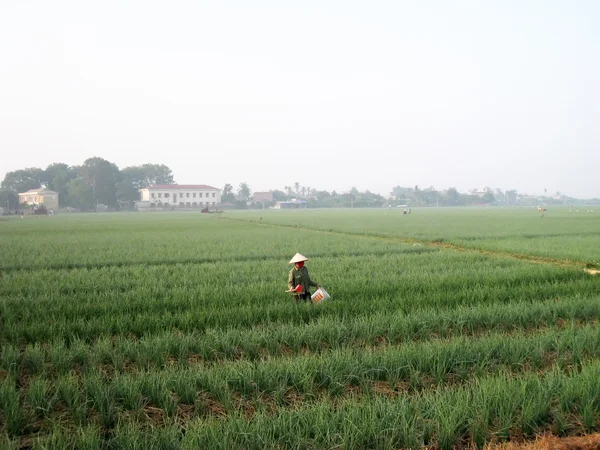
(332, 94)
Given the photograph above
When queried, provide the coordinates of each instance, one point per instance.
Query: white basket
(319, 296)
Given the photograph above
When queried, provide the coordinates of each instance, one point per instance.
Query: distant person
(299, 281)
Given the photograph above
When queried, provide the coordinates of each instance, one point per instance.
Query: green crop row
(491, 407)
(321, 335)
(409, 368)
(71, 242)
(83, 304)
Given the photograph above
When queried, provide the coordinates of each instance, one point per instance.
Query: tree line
(400, 196)
(474, 197)
(96, 181)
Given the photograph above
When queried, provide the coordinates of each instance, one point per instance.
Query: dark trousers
(302, 297)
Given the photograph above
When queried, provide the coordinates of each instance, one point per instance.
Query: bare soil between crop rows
(588, 442)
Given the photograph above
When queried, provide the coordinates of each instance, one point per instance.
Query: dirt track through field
(589, 442)
(567, 263)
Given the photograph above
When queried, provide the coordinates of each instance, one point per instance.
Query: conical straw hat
(297, 258)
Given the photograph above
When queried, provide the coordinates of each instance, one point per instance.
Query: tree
(488, 197)
(297, 188)
(23, 180)
(352, 196)
(321, 195)
(9, 199)
(126, 190)
(452, 196)
(288, 191)
(500, 196)
(135, 178)
(279, 196)
(430, 195)
(227, 195)
(244, 192)
(418, 195)
(57, 177)
(132, 179)
(81, 194)
(511, 197)
(103, 177)
(156, 174)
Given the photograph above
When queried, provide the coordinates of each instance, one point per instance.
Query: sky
(330, 94)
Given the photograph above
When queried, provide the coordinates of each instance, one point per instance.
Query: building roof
(163, 187)
(38, 191)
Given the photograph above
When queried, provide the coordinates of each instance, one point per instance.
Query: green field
(446, 328)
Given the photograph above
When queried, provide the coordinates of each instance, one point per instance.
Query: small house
(39, 197)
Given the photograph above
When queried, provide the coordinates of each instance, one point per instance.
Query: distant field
(449, 327)
(561, 233)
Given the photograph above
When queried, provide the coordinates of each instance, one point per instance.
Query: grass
(173, 330)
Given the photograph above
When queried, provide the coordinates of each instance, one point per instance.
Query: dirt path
(520, 256)
(589, 442)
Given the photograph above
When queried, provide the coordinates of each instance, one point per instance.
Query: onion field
(447, 328)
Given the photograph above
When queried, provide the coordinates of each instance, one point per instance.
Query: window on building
(200, 194)
(180, 203)
(167, 195)
(213, 195)
(187, 195)
(194, 195)
(153, 195)
(187, 203)
(194, 204)
(159, 195)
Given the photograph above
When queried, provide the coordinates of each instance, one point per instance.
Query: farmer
(299, 281)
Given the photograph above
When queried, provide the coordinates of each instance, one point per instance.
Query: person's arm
(291, 279)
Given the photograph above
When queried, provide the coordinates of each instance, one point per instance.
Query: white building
(179, 196)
